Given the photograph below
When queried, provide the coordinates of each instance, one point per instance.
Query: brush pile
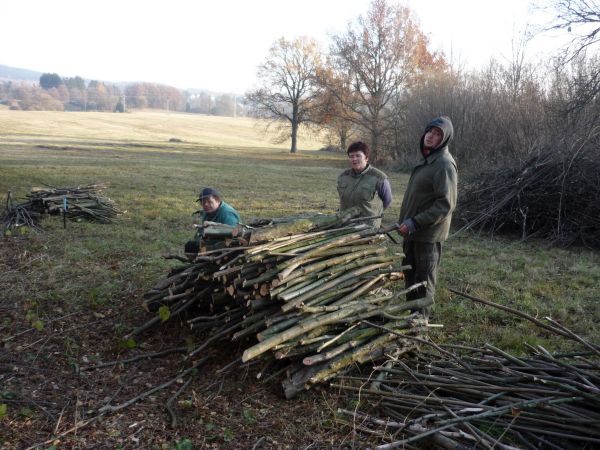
(481, 398)
(551, 196)
(19, 216)
(74, 203)
(297, 298)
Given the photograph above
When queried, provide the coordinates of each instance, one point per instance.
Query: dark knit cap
(207, 191)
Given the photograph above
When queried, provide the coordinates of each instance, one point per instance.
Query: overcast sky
(217, 44)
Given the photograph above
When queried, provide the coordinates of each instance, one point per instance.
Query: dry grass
(145, 126)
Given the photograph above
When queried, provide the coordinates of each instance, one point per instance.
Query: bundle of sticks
(481, 398)
(551, 196)
(459, 397)
(299, 297)
(19, 215)
(74, 203)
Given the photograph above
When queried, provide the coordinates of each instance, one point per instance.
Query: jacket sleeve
(232, 217)
(384, 191)
(444, 202)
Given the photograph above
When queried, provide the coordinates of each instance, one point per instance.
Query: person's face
(358, 161)
(433, 138)
(210, 204)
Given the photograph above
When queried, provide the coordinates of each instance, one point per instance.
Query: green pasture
(156, 183)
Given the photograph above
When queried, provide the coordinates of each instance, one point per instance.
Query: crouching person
(213, 210)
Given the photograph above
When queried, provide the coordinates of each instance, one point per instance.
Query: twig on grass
(172, 399)
(60, 419)
(143, 395)
(74, 428)
(574, 336)
(562, 331)
(256, 445)
(133, 359)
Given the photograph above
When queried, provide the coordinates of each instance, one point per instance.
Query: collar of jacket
(365, 170)
(433, 156)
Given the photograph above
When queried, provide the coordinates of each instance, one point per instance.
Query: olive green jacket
(430, 197)
(360, 189)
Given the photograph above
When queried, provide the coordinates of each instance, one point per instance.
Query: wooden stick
(525, 316)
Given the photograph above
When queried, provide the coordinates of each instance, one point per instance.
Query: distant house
(14, 104)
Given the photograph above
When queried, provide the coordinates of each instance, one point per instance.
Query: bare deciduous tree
(288, 84)
(382, 51)
(334, 105)
(579, 17)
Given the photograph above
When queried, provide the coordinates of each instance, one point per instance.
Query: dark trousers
(424, 258)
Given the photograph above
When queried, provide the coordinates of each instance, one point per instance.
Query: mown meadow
(95, 274)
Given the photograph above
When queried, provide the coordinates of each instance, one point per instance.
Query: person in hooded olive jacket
(213, 210)
(363, 185)
(427, 206)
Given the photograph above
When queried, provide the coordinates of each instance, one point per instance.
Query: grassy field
(144, 127)
(92, 276)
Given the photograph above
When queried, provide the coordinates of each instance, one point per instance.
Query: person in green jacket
(364, 186)
(427, 206)
(213, 210)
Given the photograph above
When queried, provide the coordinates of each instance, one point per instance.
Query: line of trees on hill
(55, 93)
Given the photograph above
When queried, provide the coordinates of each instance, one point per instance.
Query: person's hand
(407, 227)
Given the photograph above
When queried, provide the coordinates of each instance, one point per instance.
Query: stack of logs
(301, 298)
(74, 203)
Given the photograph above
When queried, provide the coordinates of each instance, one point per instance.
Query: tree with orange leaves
(382, 52)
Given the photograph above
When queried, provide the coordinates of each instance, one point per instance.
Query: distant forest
(54, 93)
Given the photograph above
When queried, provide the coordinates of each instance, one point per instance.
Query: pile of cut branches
(481, 398)
(551, 196)
(300, 298)
(19, 215)
(74, 203)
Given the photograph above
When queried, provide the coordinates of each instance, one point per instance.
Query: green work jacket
(360, 190)
(430, 197)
